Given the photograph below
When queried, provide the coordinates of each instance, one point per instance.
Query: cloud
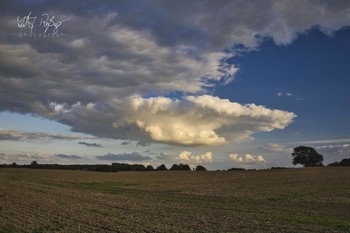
(134, 156)
(248, 158)
(142, 143)
(90, 144)
(125, 143)
(164, 156)
(63, 156)
(14, 135)
(26, 158)
(200, 120)
(85, 79)
(325, 141)
(288, 94)
(335, 149)
(277, 148)
(186, 156)
(184, 23)
(134, 63)
(193, 120)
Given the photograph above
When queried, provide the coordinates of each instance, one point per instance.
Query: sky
(215, 83)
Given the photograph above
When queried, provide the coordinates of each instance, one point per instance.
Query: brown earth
(285, 200)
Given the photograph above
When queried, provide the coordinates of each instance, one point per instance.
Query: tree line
(114, 167)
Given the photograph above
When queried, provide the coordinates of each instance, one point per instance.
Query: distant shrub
(278, 168)
(184, 167)
(162, 168)
(103, 168)
(344, 162)
(200, 168)
(127, 167)
(236, 169)
(180, 167)
(34, 164)
(175, 167)
(149, 168)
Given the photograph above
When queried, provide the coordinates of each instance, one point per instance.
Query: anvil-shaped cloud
(193, 120)
(200, 120)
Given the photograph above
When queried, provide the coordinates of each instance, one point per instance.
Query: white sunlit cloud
(246, 159)
(201, 120)
(187, 156)
(289, 94)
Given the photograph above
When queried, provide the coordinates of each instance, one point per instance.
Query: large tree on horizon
(307, 156)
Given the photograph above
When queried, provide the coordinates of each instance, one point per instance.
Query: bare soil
(283, 200)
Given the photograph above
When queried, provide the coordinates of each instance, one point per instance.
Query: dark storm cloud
(213, 24)
(117, 49)
(134, 156)
(142, 143)
(125, 143)
(90, 144)
(63, 156)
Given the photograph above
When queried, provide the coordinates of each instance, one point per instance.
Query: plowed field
(285, 200)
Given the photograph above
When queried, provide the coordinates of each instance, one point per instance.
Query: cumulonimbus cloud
(200, 120)
(193, 120)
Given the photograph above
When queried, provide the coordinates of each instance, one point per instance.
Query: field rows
(291, 200)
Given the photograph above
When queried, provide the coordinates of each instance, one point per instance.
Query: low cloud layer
(277, 148)
(335, 149)
(27, 158)
(14, 135)
(134, 156)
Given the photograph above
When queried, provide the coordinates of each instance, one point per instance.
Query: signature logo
(47, 23)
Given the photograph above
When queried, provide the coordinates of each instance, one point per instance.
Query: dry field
(286, 200)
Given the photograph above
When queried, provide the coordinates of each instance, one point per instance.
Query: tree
(200, 168)
(162, 168)
(307, 156)
(175, 167)
(184, 167)
(34, 164)
(149, 168)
